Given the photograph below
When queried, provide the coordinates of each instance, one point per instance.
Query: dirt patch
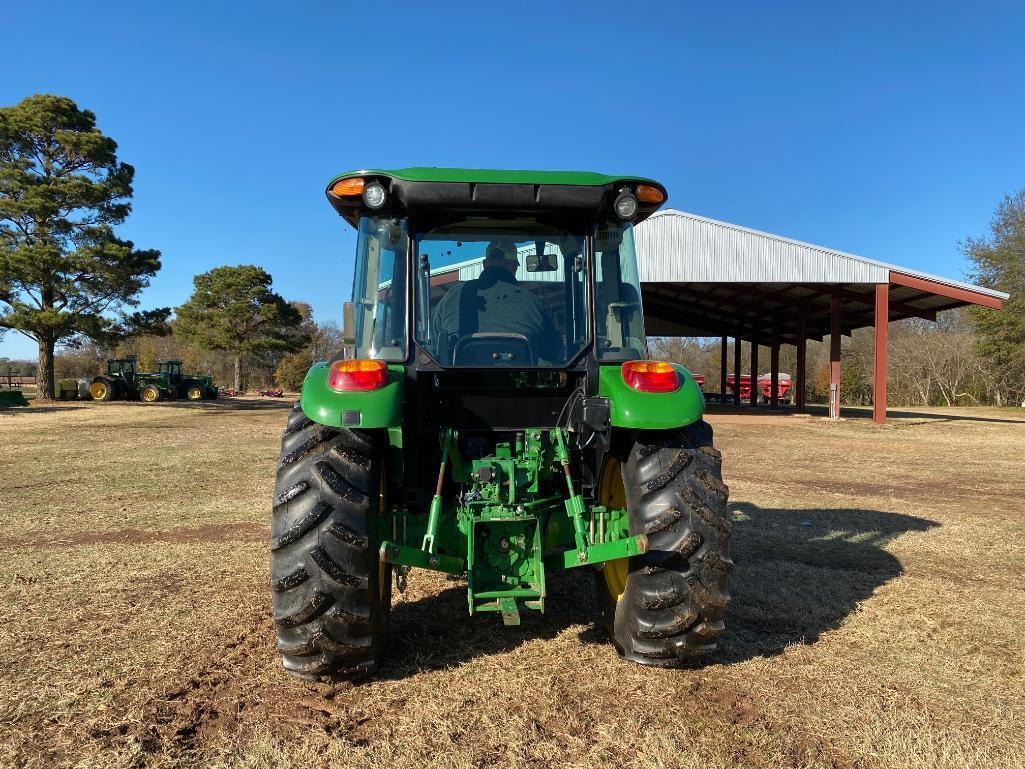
(221, 532)
(758, 418)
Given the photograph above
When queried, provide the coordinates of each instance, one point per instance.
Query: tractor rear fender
(375, 408)
(650, 411)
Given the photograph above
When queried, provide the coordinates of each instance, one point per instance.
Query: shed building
(702, 277)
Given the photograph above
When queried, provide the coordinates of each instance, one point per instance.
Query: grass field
(878, 615)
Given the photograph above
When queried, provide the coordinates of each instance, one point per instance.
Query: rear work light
(650, 376)
(357, 375)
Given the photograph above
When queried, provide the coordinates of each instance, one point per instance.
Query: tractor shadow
(229, 404)
(436, 633)
(798, 574)
(32, 408)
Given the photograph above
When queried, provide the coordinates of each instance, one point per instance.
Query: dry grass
(878, 616)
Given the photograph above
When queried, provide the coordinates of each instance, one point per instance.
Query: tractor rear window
(379, 288)
(501, 293)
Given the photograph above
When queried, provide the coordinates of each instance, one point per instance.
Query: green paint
(378, 408)
(651, 411)
(497, 176)
(606, 551)
(402, 555)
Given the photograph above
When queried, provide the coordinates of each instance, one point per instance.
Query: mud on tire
(676, 593)
(331, 597)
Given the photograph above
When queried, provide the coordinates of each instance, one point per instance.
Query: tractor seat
(493, 349)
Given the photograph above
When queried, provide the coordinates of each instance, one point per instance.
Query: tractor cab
(124, 369)
(172, 369)
(120, 382)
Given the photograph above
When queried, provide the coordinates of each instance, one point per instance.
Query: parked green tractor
(496, 417)
(123, 381)
(195, 387)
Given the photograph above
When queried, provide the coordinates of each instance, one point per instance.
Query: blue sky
(886, 129)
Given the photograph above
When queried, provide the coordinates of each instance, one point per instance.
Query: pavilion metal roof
(703, 277)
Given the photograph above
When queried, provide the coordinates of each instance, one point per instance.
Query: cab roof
(476, 189)
(496, 176)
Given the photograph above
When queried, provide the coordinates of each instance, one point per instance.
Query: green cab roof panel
(496, 176)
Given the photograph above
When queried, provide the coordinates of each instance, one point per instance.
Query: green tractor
(195, 387)
(495, 416)
(123, 381)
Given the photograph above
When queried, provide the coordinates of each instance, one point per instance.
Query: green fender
(377, 408)
(651, 411)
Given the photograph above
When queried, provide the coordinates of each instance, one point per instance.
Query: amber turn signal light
(651, 376)
(357, 375)
(648, 194)
(348, 187)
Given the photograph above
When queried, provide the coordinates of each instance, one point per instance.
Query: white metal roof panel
(679, 247)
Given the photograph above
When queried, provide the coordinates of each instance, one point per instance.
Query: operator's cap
(502, 251)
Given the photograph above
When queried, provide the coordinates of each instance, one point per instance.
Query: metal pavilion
(703, 277)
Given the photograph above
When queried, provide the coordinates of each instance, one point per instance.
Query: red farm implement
(764, 387)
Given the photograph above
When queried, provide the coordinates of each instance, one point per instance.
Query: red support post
(736, 370)
(774, 376)
(802, 355)
(882, 322)
(755, 392)
(722, 369)
(835, 333)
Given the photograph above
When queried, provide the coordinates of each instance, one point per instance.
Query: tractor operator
(495, 302)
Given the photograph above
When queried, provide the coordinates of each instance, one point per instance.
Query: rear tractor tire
(665, 607)
(102, 389)
(331, 593)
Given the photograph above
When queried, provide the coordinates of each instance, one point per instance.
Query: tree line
(68, 282)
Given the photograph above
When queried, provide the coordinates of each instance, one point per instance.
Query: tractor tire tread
(676, 592)
(330, 606)
(291, 493)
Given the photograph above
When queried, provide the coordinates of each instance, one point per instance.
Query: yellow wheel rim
(149, 395)
(612, 494)
(98, 390)
(195, 394)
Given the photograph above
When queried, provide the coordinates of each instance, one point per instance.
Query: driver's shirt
(496, 303)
